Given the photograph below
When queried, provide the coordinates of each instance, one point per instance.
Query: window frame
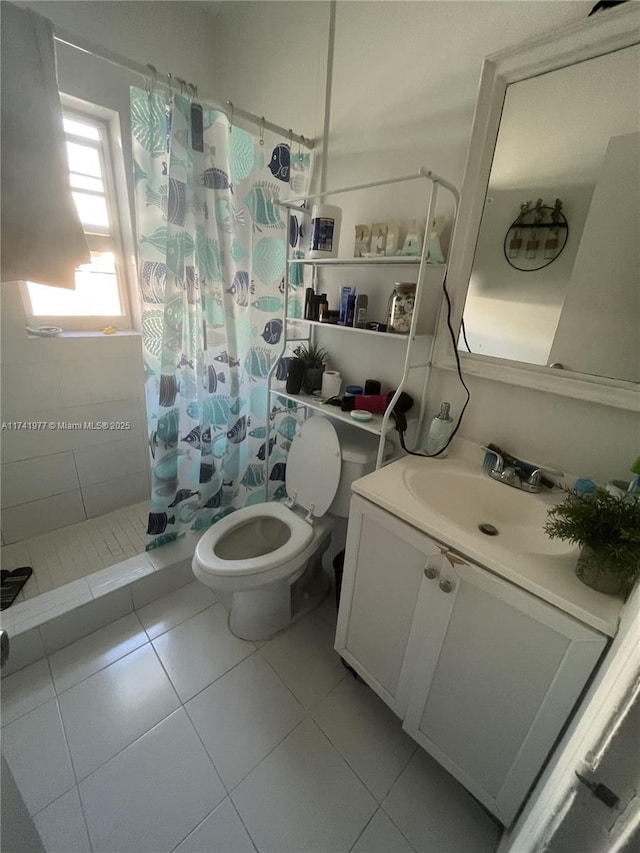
(120, 241)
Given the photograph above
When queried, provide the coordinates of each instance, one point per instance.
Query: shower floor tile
(288, 770)
(65, 555)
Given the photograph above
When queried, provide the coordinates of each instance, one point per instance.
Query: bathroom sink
(473, 502)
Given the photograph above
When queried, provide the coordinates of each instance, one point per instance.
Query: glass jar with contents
(400, 308)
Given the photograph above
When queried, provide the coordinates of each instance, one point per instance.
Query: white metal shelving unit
(414, 359)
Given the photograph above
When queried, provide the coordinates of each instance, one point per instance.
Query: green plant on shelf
(312, 355)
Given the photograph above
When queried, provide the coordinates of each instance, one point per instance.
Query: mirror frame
(603, 33)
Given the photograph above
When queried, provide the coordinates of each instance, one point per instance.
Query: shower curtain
(211, 263)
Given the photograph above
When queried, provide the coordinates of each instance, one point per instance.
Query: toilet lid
(313, 466)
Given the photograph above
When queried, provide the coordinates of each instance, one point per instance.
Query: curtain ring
(290, 139)
(183, 85)
(230, 104)
(169, 89)
(193, 89)
(151, 82)
(300, 144)
(262, 131)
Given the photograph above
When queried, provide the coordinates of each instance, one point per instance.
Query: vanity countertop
(550, 576)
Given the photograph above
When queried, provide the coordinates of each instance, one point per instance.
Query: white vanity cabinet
(484, 674)
(384, 564)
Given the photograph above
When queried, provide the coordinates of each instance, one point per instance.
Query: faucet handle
(534, 477)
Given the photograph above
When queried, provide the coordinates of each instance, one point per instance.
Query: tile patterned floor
(163, 732)
(72, 552)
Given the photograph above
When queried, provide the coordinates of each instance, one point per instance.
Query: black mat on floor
(12, 583)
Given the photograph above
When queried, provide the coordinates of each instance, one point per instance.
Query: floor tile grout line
(101, 669)
(386, 813)
(55, 800)
(168, 677)
(207, 753)
(363, 829)
(282, 681)
(218, 677)
(339, 753)
(66, 740)
(126, 746)
(182, 621)
(264, 757)
(251, 838)
(346, 759)
(86, 822)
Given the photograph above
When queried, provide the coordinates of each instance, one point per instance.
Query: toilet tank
(358, 450)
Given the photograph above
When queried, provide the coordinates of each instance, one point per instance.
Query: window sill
(77, 333)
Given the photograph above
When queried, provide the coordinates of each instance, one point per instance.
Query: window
(98, 187)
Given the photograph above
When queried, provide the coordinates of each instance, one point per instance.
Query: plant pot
(312, 380)
(595, 570)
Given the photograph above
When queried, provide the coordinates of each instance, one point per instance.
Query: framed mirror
(554, 161)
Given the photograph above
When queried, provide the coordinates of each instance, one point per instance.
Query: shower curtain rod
(85, 46)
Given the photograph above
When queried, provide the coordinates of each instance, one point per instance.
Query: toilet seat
(300, 534)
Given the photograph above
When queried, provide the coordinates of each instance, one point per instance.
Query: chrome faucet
(517, 473)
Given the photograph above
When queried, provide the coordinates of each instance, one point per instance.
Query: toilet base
(259, 614)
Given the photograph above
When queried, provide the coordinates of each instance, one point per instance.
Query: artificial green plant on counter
(607, 528)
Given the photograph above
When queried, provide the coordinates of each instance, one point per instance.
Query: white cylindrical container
(331, 382)
(440, 432)
(325, 231)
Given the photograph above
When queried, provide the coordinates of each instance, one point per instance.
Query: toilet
(269, 556)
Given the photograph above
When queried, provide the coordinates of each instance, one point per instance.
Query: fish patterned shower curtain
(211, 265)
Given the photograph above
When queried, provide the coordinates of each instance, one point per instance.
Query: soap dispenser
(439, 432)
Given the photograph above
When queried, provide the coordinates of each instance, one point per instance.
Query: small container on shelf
(360, 311)
(325, 231)
(400, 308)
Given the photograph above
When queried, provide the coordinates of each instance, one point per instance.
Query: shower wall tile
(115, 459)
(40, 477)
(31, 519)
(18, 347)
(82, 348)
(115, 493)
(96, 380)
(26, 444)
(28, 388)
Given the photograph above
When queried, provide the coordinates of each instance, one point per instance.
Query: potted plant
(607, 528)
(314, 359)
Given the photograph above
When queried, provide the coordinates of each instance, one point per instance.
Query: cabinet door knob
(446, 586)
(430, 573)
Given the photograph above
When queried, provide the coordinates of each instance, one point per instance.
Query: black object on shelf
(295, 376)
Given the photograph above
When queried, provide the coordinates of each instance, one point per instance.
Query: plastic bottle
(325, 231)
(360, 311)
(439, 432)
